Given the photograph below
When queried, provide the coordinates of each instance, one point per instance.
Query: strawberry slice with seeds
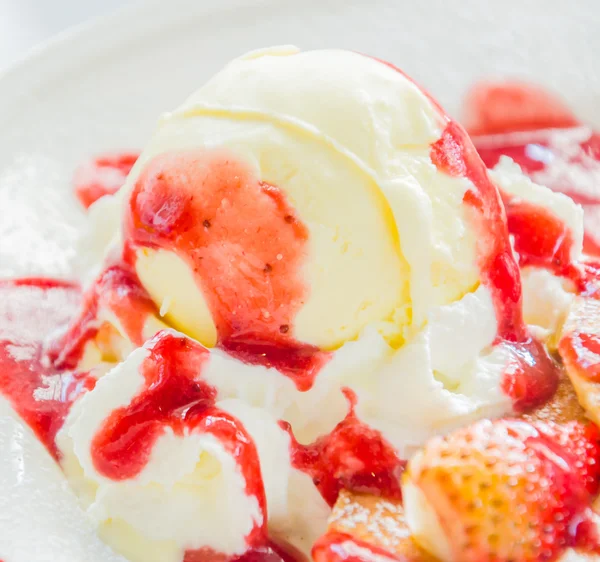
(579, 348)
(505, 491)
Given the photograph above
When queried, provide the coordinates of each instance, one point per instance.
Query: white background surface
(26, 23)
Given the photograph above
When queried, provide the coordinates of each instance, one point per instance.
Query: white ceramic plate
(103, 86)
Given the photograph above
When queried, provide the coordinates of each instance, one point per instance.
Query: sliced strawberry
(512, 106)
(579, 349)
(343, 547)
(582, 349)
(101, 176)
(506, 491)
(368, 527)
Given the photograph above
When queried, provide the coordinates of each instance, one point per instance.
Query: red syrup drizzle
(30, 309)
(245, 246)
(118, 290)
(103, 175)
(175, 396)
(342, 547)
(570, 457)
(562, 155)
(532, 377)
(353, 456)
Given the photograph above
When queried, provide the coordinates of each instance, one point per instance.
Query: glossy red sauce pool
(531, 377)
(245, 245)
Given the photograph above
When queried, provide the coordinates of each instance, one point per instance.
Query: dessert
(313, 323)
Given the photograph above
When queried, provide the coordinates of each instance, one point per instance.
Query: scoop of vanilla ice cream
(347, 139)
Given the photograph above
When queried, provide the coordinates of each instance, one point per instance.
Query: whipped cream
(182, 498)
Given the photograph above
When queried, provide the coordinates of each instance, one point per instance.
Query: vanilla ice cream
(353, 161)
(305, 208)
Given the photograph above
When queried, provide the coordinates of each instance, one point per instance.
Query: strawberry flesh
(513, 491)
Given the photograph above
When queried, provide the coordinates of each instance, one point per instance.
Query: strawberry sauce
(547, 141)
(582, 349)
(342, 547)
(104, 175)
(455, 155)
(245, 245)
(563, 155)
(540, 238)
(569, 456)
(353, 456)
(531, 377)
(175, 397)
(30, 310)
(265, 551)
(117, 291)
